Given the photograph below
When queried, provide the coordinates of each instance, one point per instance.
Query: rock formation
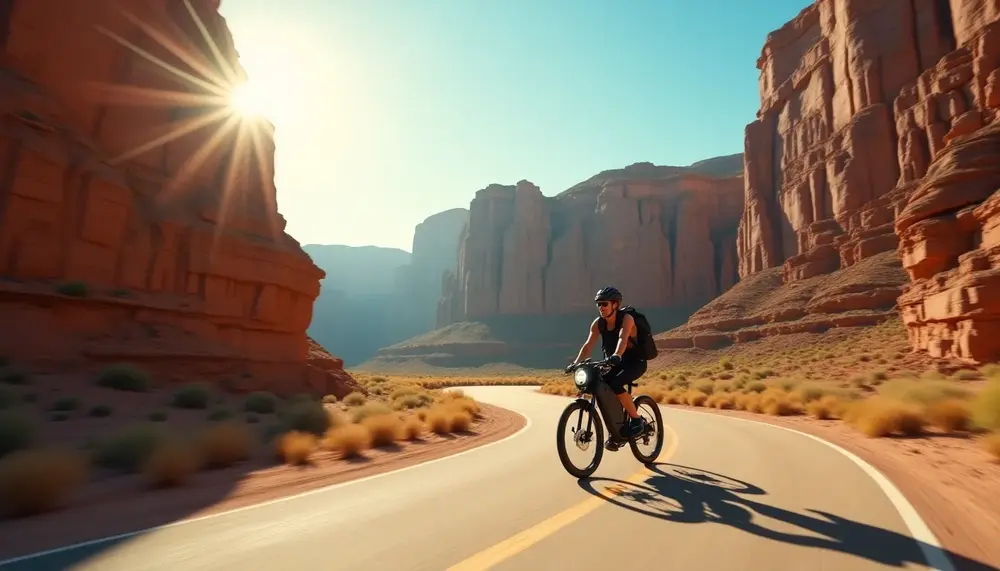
(142, 227)
(664, 235)
(373, 297)
(876, 134)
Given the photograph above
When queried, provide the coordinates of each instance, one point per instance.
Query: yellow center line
(513, 545)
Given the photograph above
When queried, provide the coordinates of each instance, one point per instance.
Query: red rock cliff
(664, 235)
(949, 242)
(875, 134)
(821, 159)
(141, 227)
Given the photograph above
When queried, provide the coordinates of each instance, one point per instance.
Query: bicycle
(596, 399)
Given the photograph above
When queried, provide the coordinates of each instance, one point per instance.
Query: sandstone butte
(665, 235)
(170, 255)
(871, 177)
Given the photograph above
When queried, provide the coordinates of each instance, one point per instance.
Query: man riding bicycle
(618, 341)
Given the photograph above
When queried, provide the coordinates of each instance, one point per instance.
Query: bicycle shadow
(683, 494)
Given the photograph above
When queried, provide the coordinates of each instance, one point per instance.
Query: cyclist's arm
(588, 345)
(628, 326)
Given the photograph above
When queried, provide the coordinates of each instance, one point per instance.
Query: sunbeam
(223, 101)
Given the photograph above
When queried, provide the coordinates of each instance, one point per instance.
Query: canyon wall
(875, 134)
(138, 217)
(665, 236)
(373, 297)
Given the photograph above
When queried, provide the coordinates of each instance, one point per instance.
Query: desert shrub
(350, 440)
(707, 387)
(986, 407)
(17, 431)
(695, 398)
(123, 377)
(73, 289)
(36, 481)
(15, 376)
(374, 408)
(329, 399)
(411, 400)
(225, 444)
(808, 393)
(100, 411)
(965, 375)
(438, 420)
(756, 387)
(412, 428)
(382, 428)
(923, 391)
(128, 449)
(296, 448)
(948, 415)
(990, 370)
(7, 398)
(726, 363)
(192, 396)
(220, 414)
(354, 399)
(306, 416)
(461, 421)
(260, 402)
(992, 445)
(65, 404)
(880, 416)
(170, 464)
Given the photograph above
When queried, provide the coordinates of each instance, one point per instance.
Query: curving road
(726, 494)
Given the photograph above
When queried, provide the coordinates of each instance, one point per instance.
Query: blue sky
(388, 111)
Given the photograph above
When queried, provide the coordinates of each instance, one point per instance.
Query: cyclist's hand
(569, 368)
(614, 360)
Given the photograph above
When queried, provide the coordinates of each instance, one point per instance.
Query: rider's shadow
(683, 494)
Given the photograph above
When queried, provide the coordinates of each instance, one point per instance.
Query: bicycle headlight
(580, 377)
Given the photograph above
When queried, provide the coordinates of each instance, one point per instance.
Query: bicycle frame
(612, 412)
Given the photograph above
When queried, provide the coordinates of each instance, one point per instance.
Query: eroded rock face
(663, 235)
(875, 134)
(821, 160)
(119, 242)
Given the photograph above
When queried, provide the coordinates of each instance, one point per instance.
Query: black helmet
(608, 294)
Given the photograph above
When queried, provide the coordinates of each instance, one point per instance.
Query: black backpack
(645, 346)
(644, 341)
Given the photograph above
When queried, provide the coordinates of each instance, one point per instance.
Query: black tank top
(609, 338)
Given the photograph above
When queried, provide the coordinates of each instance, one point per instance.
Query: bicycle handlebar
(601, 363)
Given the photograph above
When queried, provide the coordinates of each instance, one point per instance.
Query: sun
(250, 99)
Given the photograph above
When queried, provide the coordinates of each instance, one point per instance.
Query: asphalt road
(725, 494)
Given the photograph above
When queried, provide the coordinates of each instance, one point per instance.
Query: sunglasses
(603, 303)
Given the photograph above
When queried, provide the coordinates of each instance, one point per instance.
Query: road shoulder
(128, 507)
(945, 480)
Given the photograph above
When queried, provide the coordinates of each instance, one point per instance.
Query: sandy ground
(950, 480)
(123, 504)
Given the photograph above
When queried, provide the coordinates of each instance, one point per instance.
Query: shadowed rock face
(876, 134)
(665, 236)
(138, 226)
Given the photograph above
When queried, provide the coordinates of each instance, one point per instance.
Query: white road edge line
(82, 544)
(928, 543)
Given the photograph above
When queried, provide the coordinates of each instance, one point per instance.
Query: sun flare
(250, 100)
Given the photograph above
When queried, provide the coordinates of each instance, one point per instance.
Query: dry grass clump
(225, 444)
(827, 407)
(354, 399)
(171, 464)
(412, 428)
(559, 388)
(369, 409)
(350, 440)
(35, 481)
(721, 401)
(383, 429)
(950, 415)
(992, 445)
(295, 448)
(881, 416)
(985, 409)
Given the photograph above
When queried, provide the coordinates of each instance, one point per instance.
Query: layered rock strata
(138, 219)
